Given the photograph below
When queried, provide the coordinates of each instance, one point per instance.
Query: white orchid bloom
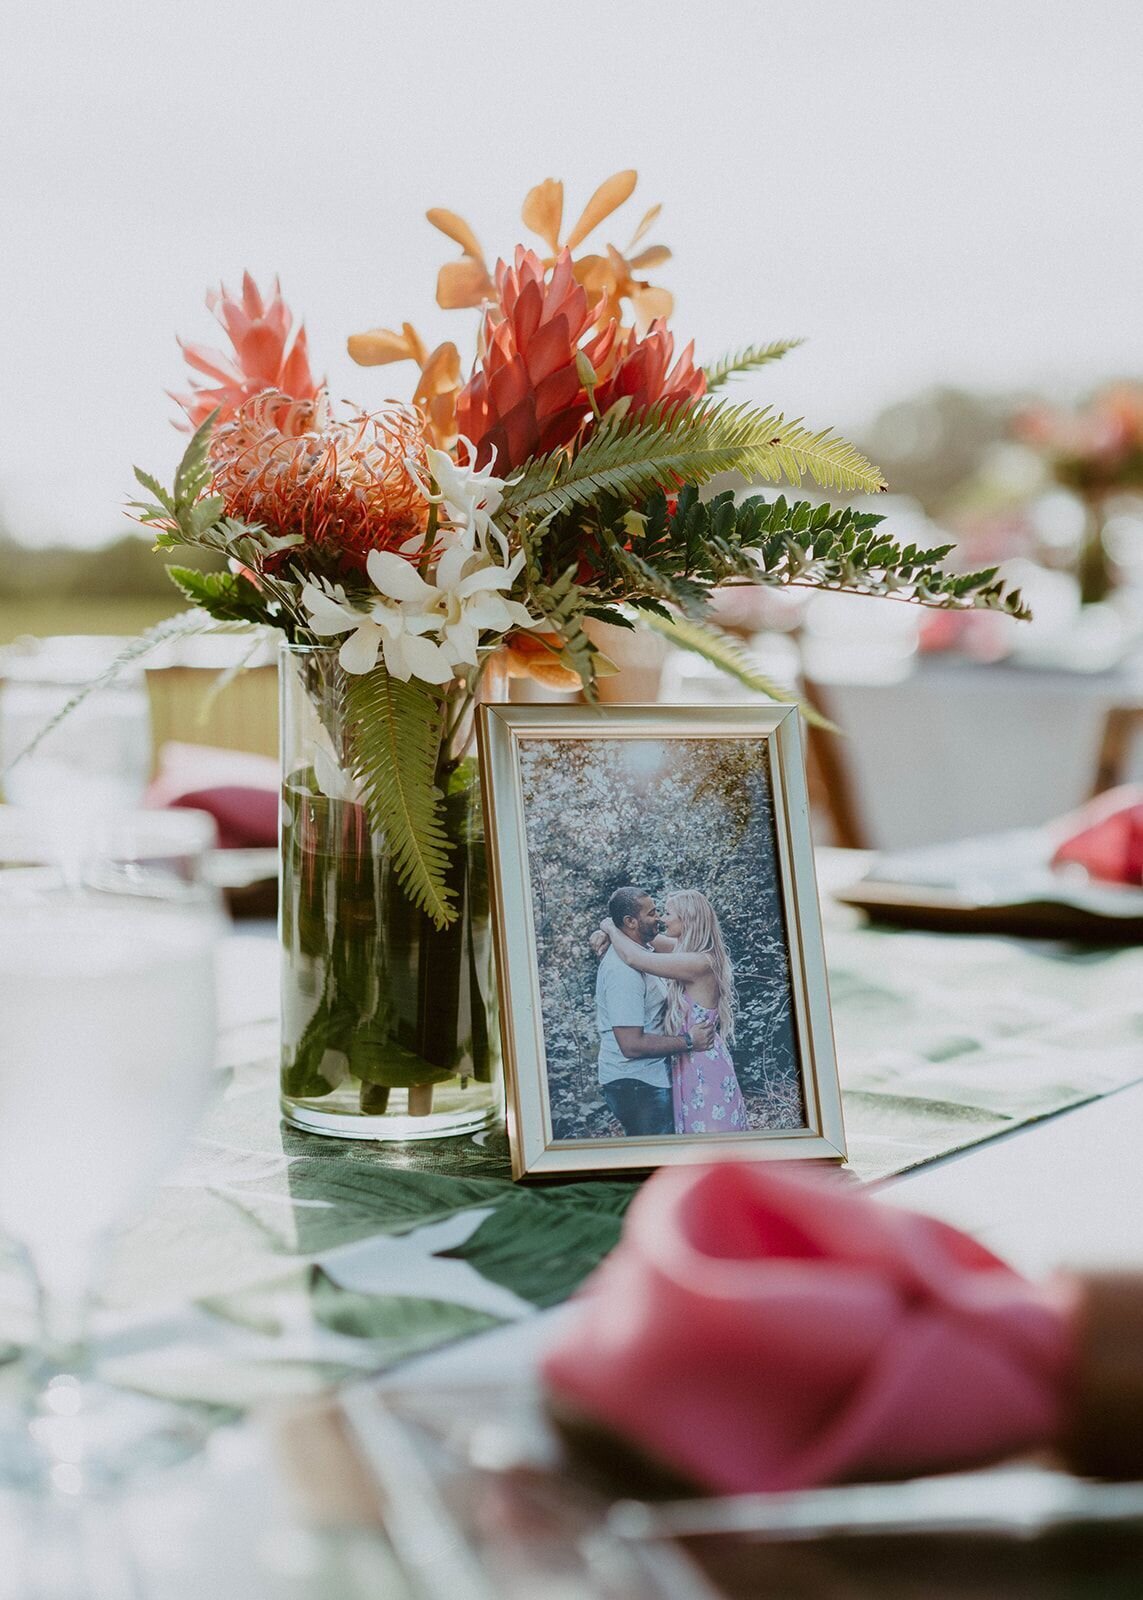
(392, 626)
(471, 598)
(423, 630)
(331, 613)
(471, 498)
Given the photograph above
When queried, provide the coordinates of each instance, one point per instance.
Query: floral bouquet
(1096, 451)
(414, 554)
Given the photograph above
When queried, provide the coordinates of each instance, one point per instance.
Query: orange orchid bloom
(543, 210)
(440, 382)
(537, 655)
(466, 282)
(610, 277)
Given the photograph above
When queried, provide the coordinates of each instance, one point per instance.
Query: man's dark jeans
(640, 1107)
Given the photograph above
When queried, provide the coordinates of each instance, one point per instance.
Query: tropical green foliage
(674, 552)
(748, 359)
(632, 457)
(189, 514)
(229, 596)
(188, 508)
(395, 739)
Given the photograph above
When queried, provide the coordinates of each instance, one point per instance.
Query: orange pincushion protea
(526, 397)
(342, 484)
(259, 330)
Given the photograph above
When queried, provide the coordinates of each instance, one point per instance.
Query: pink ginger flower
(259, 331)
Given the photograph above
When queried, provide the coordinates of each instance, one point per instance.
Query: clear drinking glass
(107, 1043)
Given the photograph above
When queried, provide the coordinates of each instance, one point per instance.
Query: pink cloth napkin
(1105, 837)
(755, 1330)
(238, 789)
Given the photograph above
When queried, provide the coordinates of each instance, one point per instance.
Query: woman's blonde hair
(701, 932)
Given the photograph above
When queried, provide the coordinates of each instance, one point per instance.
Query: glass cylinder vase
(389, 1025)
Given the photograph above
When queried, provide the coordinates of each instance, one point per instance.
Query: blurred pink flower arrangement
(1096, 451)
(1095, 448)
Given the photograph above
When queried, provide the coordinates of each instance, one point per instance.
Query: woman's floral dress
(704, 1086)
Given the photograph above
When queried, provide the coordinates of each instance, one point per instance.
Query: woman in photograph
(690, 954)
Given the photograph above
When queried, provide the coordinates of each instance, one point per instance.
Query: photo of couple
(664, 1001)
(661, 946)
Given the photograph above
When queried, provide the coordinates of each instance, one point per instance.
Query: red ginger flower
(259, 331)
(343, 484)
(642, 372)
(526, 396)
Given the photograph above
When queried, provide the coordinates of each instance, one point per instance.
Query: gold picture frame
(564, 781)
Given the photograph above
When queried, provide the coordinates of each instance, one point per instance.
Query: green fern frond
(560, 600)
(830, 461)
(717, 647)
(747, 360)
(704, 543)
(646, 581)
(226, 595)
(188, 514)
(181, 626)
(630, 458)
(192, 475)
(563, 607)
(395, 734)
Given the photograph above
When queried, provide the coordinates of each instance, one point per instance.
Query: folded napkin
(756, 1330)
(1105, 837)
(239, 790)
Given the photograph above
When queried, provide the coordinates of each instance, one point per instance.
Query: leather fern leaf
(725, 653)
(395, 733)
(631, 457)
(747, 360)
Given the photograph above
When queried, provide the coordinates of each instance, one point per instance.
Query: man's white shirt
(625, 998)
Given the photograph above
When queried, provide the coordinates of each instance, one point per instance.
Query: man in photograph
(634, 1052)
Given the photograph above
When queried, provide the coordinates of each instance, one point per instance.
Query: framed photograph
(662, 979)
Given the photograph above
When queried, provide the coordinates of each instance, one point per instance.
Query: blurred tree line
(119, 587)
(127, 568)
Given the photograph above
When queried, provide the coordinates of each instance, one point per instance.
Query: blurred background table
(956, 749)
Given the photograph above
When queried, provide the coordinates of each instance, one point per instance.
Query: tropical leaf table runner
(276, 1263)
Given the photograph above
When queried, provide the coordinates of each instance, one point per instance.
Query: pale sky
(928, 193)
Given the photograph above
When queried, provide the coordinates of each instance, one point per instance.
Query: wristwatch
(687, 1040)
